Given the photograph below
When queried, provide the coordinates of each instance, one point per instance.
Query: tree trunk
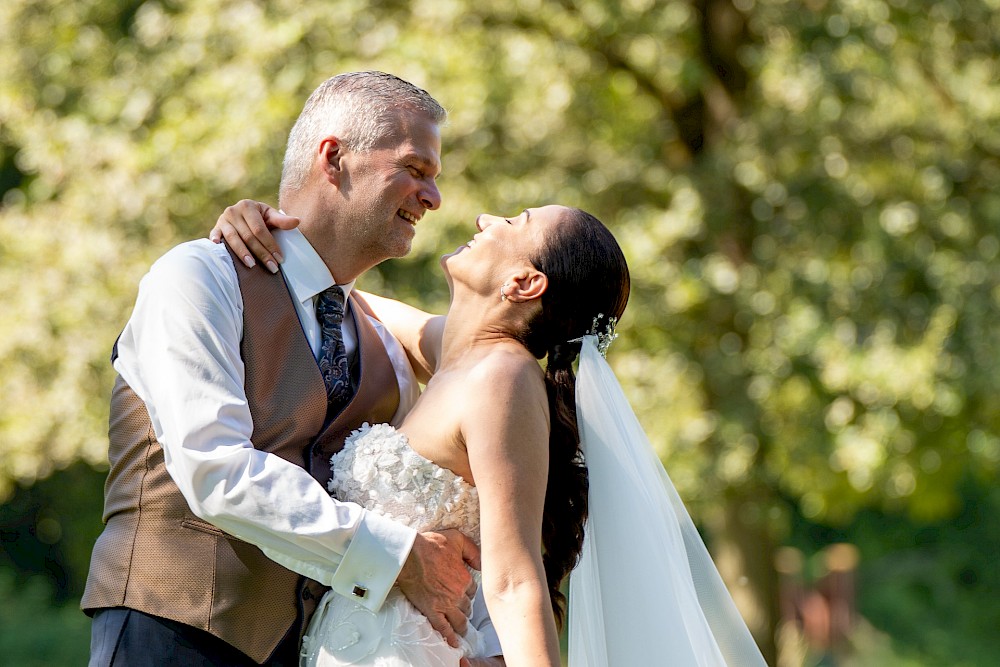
(743, 549)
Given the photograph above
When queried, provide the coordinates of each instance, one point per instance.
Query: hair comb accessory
(605, 337)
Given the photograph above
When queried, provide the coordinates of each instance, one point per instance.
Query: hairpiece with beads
(604, 337)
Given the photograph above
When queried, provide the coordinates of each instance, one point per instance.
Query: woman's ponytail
(587, 278)
(566, 493)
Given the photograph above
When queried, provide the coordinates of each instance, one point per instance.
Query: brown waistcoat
(156, 556)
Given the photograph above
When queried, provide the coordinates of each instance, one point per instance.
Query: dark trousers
(127, 638)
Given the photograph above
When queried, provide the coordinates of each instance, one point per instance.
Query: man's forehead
(414, 133)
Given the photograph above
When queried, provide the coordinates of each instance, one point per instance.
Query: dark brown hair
(587, 277)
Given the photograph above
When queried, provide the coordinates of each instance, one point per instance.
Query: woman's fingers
(245, 225)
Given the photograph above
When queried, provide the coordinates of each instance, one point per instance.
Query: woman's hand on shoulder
(246, 227)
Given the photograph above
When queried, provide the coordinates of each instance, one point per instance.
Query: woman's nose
(484, 220)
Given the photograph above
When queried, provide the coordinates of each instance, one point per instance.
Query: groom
(220, 536)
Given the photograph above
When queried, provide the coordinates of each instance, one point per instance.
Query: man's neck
(338, 256)
(334, 247)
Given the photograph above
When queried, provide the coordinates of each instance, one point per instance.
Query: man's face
(390, 187)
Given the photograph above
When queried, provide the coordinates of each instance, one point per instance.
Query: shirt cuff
(373, 560)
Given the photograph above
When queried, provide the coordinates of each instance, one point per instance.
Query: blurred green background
(805, 191)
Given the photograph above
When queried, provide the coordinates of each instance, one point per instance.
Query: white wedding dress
(645, 592)
(378, 470)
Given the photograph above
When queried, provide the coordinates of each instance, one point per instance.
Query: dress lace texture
(378, 470)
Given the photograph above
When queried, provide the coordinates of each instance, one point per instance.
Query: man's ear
(331, 155)
(527, 285)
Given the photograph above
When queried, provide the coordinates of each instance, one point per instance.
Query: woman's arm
(506, 431)
(417, 331)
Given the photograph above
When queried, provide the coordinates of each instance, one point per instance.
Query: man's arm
(180, 352)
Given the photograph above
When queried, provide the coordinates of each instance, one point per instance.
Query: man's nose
(430, 197)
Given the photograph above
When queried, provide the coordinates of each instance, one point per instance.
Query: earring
(503, 296)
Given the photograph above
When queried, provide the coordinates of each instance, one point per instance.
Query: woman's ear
(527, 285)
(331, 156)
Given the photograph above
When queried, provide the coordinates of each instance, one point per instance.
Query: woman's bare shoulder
(507, 370)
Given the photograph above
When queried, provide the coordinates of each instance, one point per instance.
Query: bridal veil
(646, 591)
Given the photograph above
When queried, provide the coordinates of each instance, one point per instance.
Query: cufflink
(359, 591)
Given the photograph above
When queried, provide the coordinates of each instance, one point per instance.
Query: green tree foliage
(803, 190)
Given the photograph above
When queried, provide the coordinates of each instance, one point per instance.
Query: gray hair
(359, 108)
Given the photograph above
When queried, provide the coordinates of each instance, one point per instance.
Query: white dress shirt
(180, 353)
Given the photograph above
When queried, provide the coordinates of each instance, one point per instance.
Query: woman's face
(502, 246)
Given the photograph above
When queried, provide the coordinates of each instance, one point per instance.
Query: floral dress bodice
(378, 470)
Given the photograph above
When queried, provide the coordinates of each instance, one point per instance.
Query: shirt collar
(305, 271)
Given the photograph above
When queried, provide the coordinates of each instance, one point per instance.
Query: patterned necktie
(332, 354)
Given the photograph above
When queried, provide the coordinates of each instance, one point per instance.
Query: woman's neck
(473, 329)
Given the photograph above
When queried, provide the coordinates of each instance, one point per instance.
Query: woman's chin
(455, 253)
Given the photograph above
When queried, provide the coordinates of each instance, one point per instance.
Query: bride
(493, 448)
